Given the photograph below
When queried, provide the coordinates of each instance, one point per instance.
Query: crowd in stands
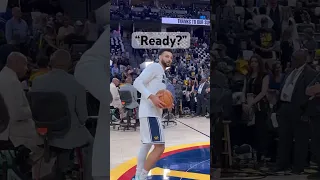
(152, 12)
(39, 52)
(258, 46)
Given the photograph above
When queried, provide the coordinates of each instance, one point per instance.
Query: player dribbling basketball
(148, 83)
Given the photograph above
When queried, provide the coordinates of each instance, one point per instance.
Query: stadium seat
(52, 120)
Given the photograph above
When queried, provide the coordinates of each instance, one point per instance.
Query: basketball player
(148, 83)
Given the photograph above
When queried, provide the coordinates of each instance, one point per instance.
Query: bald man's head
(299, 58)
(116, 81)
(18, 63)
(60, 59)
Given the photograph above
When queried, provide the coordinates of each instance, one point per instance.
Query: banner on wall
(183, 21)
(3, 6)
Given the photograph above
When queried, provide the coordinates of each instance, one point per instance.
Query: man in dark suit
(291, 115)
(313, 92)
(202, 98)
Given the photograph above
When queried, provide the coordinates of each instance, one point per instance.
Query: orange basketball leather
(166, 97)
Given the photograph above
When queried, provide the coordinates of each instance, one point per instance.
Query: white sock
(142, 155)
(143, 175)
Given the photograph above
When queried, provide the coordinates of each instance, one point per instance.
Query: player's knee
(159, 147)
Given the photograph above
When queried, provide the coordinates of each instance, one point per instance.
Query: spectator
(274, 11)
(263, 40)
(16, 28)
(291, 124)
(58, 80)
(287, 47)
(91, 29)
(43, 68)
(65, 30)
(116, 103)
(21, 129)
(202, 98)
(254, 98)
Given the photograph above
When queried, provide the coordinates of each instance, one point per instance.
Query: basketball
(166, 97)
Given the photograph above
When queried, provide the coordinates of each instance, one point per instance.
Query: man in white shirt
(151, 80)
(116, 101)
(21, 129)
(65, 30)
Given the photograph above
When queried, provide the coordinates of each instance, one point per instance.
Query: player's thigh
(151, 130)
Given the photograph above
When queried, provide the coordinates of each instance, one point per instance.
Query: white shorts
(151, 130)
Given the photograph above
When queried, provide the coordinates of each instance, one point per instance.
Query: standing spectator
(17, 30)
(223, 12)
(286, 47)
(274, 11)
(91, 29)
(202, 98)
(255, 89)
(292, 113)
(250, 12)
(263, 40)
(115, 71)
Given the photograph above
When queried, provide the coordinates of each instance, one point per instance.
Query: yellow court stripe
(118, 171)
(180, 174)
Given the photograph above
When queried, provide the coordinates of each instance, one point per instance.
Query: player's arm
(144, 78)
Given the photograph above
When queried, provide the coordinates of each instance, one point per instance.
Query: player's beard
(163, 63)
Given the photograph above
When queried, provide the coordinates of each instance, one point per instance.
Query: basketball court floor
(187, 153)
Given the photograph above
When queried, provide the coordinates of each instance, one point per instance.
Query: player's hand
(156, 101)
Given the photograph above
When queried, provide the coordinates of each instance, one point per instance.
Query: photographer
(178, 96)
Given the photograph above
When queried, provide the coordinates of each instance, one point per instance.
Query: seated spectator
(21, 130)
(58, 80)
(65, 30)
(116, 102)
(43, 68)
(134, 93)
(48, 43)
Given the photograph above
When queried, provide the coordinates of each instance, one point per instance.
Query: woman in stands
(255, 89)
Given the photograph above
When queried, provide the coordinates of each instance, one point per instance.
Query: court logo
(156, 138)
